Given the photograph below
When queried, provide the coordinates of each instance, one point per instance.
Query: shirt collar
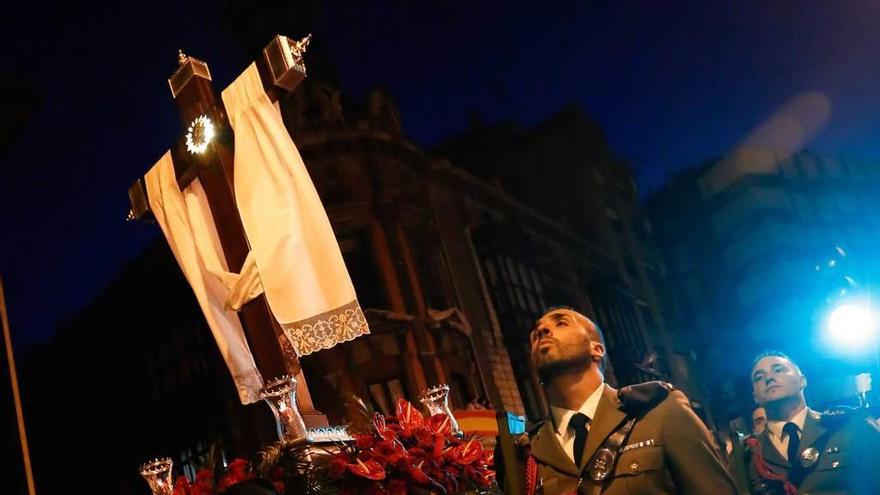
(561, 416)
(799, 419)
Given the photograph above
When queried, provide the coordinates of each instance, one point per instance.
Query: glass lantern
(158, 476)
(436, 400)
(280, 394)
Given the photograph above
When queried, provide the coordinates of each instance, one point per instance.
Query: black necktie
(578, 423)
(794, 442)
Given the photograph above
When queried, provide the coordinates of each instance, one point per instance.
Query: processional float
(244, 221)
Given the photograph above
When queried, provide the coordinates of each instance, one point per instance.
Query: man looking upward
(644, 439)
(802, 450)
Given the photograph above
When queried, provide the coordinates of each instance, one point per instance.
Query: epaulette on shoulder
(837, 416)
(640, 398)
(534, 428)
(522, 440)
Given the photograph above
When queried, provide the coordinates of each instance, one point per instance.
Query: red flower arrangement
(237, 471)
(404, 454)
(408, 453)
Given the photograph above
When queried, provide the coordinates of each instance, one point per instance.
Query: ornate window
(357, 252)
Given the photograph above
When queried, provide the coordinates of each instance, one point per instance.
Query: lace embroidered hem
(327, 329)
(248, 385)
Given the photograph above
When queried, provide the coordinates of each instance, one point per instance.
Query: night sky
(672, 84)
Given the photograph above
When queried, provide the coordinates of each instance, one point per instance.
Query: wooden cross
(281, 69)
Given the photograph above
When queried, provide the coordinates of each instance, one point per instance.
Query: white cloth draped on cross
(294, 258)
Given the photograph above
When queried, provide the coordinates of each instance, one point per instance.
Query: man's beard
(549, 370)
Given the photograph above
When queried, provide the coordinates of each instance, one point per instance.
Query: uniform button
(634, 467)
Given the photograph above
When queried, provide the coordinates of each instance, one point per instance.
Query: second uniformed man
(801, 450)
(643, 439)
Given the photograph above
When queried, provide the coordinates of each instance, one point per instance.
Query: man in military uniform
(759, 420)
(802, 451)
(643, 439)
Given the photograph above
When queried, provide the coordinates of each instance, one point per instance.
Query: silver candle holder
(436, 400)
(158, 475)
(280, 394)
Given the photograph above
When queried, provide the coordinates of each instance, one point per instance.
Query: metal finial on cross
(300, 47)
(181, 57)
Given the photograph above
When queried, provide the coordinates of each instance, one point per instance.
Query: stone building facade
(451, 265)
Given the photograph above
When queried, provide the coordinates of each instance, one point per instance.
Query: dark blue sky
(672, 84)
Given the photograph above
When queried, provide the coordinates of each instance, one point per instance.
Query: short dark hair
(548, 309)
(596, 335)
(774, 353)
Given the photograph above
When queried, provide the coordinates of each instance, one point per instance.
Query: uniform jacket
(676, 454)
(848, 445)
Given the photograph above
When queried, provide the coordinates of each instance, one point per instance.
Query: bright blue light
(852, 326)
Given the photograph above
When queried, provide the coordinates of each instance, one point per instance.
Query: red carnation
(389, 452)
(416, 473)
(424, 439)
(370, 470)
(204, 477)
(237, 471)
(338, 465)
(364, 441)
(440, 424)
(204, 484)
(489, 457)
(466, 454)
(408, 417)
(438, 447)
(396, 487)
(277, 475)
(181, 486)
(408, 451)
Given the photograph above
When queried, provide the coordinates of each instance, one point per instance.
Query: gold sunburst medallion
(199, 135)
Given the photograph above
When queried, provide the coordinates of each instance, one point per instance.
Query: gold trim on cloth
(327, 329)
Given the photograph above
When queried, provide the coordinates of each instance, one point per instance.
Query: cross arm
(281, 69)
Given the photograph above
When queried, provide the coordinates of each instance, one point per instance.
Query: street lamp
(852, 325)
(852, 329)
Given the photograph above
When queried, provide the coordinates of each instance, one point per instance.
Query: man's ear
(803, 382)
(597, 351)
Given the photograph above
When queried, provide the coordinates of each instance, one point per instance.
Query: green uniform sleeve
(694, 462)
(737, 466)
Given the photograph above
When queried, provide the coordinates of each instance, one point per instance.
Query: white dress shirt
(561, 417)
(779, 438)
